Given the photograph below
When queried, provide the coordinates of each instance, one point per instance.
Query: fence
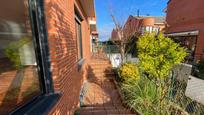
(113, 54)
(187, 90)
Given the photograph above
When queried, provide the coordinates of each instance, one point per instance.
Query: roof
(89, 7)
(158, 19)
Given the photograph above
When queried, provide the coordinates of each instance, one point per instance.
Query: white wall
(27, 54)
(115, 59)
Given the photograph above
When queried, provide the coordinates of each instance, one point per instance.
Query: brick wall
(132, 25)
(60, 17)
(114, 34)
(187, 15)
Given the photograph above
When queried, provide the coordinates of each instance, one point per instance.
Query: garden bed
(122, 96)
(152, 86)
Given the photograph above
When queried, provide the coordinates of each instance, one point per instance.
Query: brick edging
(123, 98)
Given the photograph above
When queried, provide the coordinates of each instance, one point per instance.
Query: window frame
(78, 19)
(79, 38)
(40, 39)
(40, 36)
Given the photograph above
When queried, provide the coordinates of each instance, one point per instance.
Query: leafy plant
(141, 95)
(150, 94)
(12, 51)
(159, 54)
(129, 71)
(144, 97)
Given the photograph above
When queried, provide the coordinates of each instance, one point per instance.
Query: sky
(121, 9)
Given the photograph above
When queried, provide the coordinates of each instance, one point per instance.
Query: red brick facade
(136, 24)
(184, 16)
(60, 18)
(132, 24)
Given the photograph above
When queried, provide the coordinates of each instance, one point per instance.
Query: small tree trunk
(122, 53)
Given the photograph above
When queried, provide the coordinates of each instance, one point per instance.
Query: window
(142, 30)
(25, 77)
(150, 29)
(79, 37)
(19, 77)
(147, 29)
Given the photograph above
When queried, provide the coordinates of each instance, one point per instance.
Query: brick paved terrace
(101, 96)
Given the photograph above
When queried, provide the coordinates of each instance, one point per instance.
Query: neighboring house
(114, 35)
(144, 23)
(140, 24)
(135, 25)
(94, 34)
(44, 48)
(185, 24)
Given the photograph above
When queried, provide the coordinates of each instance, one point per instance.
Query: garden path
(102, 97)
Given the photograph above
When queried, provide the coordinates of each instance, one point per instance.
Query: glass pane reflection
(19, 80)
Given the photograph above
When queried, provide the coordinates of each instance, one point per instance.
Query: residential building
(140, 24)
(185, 24)
(144, 23)
(44, 48)
(94, 34)
(134, 27)
(114, 35)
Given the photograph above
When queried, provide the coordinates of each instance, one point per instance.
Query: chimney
(138, 13)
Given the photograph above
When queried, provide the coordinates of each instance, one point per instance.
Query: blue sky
(121, 10)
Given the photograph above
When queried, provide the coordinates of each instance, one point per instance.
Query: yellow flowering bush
(159, 54)
(129, 71)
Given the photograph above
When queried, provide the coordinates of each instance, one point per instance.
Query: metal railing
(111, 49)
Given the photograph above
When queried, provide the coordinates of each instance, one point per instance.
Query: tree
(124, 37)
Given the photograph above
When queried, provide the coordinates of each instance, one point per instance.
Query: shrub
(149, 95)
(129, 71)
(12, 51)
(159, 54)
(144, 97)
(141, 96)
